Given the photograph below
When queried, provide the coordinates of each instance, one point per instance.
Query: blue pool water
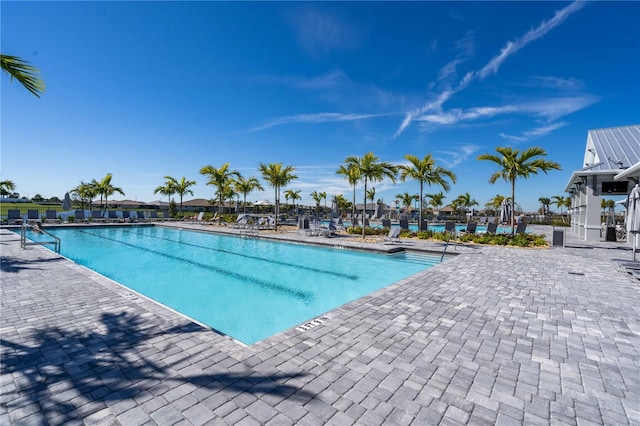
(247, 288)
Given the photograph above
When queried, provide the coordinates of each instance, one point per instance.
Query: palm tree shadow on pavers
(12, 264)
(61, 370)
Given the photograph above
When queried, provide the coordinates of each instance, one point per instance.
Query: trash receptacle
(557, 239)
(611, 233)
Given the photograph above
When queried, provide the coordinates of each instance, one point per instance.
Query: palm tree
(167, 189)
(350, 171)
(293, 195)
(545, 202)
(560, 202)
(105, 188)
(27, 75)
(495, 203)
(514, 164)
(245, 186)
(436, 201)
(181, 188)
(86, 192)
(371, 194)
(323, 195)
(425, 171)
(371, 169)
(278, 177)
(406, 199)
(317, 197)
(342, 203)
(220, 178)
(465, 202)
(6, 186)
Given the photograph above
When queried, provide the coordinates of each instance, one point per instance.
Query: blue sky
(147, 89)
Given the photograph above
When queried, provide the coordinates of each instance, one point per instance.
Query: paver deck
(494, 336)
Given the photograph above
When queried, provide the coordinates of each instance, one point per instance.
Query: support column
(593, 227)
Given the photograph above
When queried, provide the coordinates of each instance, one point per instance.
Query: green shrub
(71, 219)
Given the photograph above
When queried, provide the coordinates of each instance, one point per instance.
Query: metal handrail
(447, 245)
(23, 237)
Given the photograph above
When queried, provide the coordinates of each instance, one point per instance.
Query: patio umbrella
(505, 211)
(66, 204)
(262, 203)
(633, 216)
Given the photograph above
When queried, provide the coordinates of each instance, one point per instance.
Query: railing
(24, 242)
(446, 245)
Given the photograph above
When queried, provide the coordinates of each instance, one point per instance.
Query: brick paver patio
(494, 336)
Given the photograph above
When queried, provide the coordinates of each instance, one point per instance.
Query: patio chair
(521, 228)
(450, 226)
(393, 236)
(386, 223)
(14, 217)
(404, 224)
(140, 217)
(33, 216)
(96, 216)
(471, 228)
(51, 217)
(492, 228)
(80, 217)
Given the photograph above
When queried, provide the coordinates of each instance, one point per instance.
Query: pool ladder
(455, 245)
(24, 242)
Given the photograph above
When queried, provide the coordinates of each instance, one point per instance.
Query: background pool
(247, 288)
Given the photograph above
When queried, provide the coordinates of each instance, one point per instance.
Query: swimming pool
(247, 288)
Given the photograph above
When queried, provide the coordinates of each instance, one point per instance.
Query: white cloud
(567, 84)
(451, 159)
(490, 68)
(321, 31)
(533, 133)
(512, 47)
(322, 117)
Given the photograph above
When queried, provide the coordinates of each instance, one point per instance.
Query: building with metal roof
(611, 167)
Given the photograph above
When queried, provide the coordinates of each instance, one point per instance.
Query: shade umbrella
(262, 203)
(66, 204)
(633, 216)
(334, 207)
(505, 211)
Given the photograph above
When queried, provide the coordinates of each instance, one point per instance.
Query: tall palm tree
(293, 195)
(86, 192)
(406, 199)
(317, 197)
(545, 202)
(246, 185)
(6, 186)
(278, 177)
(350, 171)
(220, 178)
(323, 195)
(27, 75)
(182, 187)
(106, 189)
(371, 169)
(436, 201)
(514, 164)
(425, 171)
(342, 203)
(465, 202)
(560, 202)
(167, 189)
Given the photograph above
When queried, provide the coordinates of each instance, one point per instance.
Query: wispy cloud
(491, 67)
(322, 117)
(566, 84)
(321, 31)
(534, 133)
(534, 34)
(450, 159)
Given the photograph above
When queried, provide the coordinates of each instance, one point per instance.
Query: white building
(611, 167)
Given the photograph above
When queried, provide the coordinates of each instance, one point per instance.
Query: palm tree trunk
(420, 210)
(513, 207)
(353, 210)
(364, 211)
(277, 210)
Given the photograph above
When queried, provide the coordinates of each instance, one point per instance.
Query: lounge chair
(404, 224)
(198, 219)
(14, 217)
(96, 216)
(51, 217)
(393, 236)
(521, 228)
(126, 215)
(471, 228)
(386, 223)
(80, 217)
(492, 228)
(166, 216)
(451, 227)
(33, 216)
